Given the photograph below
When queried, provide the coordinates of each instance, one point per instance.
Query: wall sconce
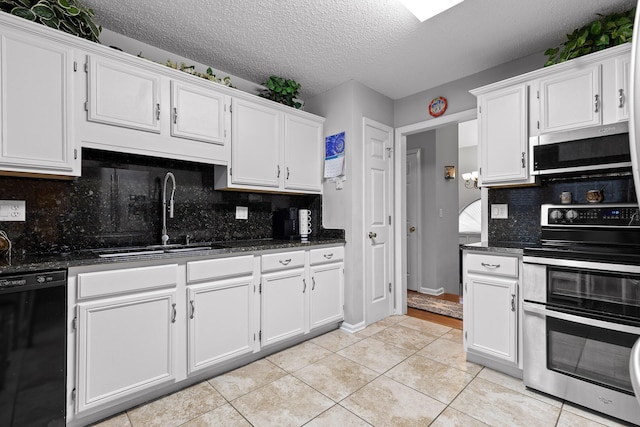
(449, 172)
(470, 179)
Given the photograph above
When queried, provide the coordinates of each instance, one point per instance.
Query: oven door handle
(538, 309)
(634, 368)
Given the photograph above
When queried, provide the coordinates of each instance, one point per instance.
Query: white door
(220, 321)
(414, 201)
(198, 113)
(257, 144)
(303, 154)
(123, 95)
(125, 345)
(378, 247)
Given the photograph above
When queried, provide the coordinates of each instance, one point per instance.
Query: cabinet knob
(193, 309)
(597, 103)
(175, 313)
(491, 266)
(313, 283)
(524, 160)
(412, 229)
(285, 261)
(175, 115)
(621, 98)
(513, 302)
(304, 289)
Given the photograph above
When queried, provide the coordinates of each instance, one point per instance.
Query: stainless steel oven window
(592, 354)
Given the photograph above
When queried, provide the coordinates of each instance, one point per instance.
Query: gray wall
(440, 234)
(414, 108)
(344, 108)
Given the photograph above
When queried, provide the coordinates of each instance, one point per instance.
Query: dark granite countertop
(38, 262)
(516, 248)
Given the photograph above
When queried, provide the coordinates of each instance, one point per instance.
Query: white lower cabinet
(221, 311)
(284, 297)
(491, 309)
(327, 286)
(125, 345)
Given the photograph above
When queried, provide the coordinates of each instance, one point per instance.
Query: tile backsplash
(523, 224)
(118, 202)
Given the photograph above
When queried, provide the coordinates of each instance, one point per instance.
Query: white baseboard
(348, 327)
(431, 291)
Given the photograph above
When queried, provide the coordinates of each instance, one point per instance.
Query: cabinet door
(256, 144)
(220, 321)
(197, 113)
(303, 154)
(623, 78)
(504, 136)
(571, 99)
(125, 345)
(490, 306)
(283, 305)
(123, 95)
(35, 113)
(326, 298)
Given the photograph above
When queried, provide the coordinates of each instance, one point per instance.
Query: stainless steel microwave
(587, 149)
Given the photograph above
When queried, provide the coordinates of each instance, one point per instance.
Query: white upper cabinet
(36, 77)
(123, 95)
(621, 89)
(198, 113)
(571, 99)
(273, 149)
(503, 129)
(303, 154)
(256, 147)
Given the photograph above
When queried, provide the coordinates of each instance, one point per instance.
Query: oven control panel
(621, 215)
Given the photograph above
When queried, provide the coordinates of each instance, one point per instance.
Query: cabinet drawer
(219, 268)
(126, 280)
(273, 262)
(324, 255)
(492, 264)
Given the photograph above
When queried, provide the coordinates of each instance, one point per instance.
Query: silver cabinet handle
(621, 98)
(524, 164)
(328, 256)
(486, 265)
(597, 103)
(287, 172)
(175, 313)
(513, 302)
(278, 172)
(304, 282)
(313, 283)
(285, 262)
(175, 115)
(193, 309)
(372, 235)
(157, 111)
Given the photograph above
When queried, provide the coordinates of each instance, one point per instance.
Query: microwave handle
(541, 310)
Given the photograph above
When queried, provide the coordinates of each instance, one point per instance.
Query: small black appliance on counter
(285, 224)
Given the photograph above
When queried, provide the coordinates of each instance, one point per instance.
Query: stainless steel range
(582, 306)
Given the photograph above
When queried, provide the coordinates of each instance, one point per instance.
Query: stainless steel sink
(144, 251)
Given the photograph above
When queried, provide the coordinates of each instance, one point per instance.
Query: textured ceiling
(323, 43)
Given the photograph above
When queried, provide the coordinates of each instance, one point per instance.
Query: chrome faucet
(165, 236)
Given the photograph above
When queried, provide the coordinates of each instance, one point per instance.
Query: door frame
(392, 240)
(400, 192)
(418, 236)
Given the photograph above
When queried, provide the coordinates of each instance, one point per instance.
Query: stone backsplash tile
(118, 202)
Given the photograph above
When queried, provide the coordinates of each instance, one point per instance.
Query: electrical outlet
(13, 210)
(242, 212)
(499, 211)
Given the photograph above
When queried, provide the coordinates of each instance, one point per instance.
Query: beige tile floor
(401, 371)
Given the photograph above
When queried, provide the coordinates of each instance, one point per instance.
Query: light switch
(13, 210)
(500, 211)
(242, 212)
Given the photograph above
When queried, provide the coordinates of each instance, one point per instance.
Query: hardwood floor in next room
(437, 318)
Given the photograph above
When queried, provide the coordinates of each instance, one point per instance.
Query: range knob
(571, 214)
(555, 215)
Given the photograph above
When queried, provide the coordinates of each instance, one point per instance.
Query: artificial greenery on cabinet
(65, 15)
(281, 90)
(606, 31)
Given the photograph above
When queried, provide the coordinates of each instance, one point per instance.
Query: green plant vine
(606, 31)
(64, 15)
(281, 90)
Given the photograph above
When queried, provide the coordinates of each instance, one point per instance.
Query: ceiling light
(425, 9)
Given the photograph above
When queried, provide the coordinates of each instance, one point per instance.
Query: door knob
(372, 235)
(412, 229)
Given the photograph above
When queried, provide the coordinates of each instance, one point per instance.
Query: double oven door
(581, 320)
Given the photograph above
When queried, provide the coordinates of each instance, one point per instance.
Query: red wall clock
(438, 106)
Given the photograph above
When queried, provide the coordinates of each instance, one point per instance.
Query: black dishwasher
(33, 349)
